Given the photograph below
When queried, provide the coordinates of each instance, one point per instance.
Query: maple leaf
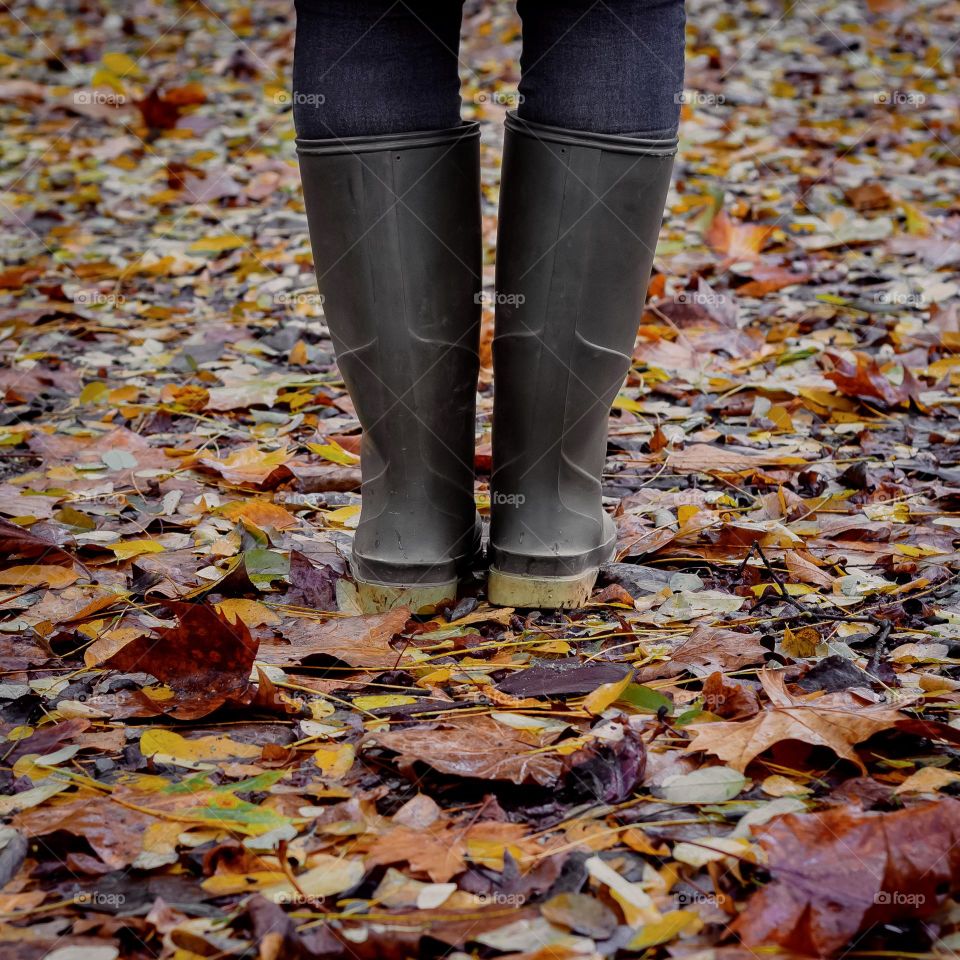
(738, 241)
(864, 379)
(837, 872)
(738, 742)
(205, 659)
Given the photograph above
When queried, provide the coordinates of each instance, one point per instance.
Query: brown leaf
(740, 741)
(475, 747)
(869, 196)
(864, 379)
(707, 458)
(729, 698)
(114, 831)
(205, 659)
(17, 542)
(360, 641)
(708, 648)
(738, 241)
(439, 851)
(766, 278)
(47, 739)
(838, 872)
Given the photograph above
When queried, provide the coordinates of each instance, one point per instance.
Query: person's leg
(586, 170)
(364, 68)
(391, 183)
(611, 66)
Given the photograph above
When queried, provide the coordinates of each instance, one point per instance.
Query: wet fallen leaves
(745, 745)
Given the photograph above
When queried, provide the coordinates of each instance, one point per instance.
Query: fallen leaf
(359, 641)
(738, 742)
(476, 746)
(839, 871)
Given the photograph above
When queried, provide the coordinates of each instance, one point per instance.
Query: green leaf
(645, 699)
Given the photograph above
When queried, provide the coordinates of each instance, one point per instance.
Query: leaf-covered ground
(745, 746)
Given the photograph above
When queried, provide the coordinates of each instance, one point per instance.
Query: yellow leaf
(227, 241)
(331, 450)
(800, 643)
(625, 403)
(124, 394)
(384, 700)
(135, 548)
(94, 392)
(667, 928)
(490, 853)
(298, 356)
(335, 762)
(121, 64)
(108, 643)
(166, 743)
(777, 785)
(434, 677)
(927, 780)
(343, 515)
(601, 698)
(261, 513)
(224, 884)
(251, 612)
(328, 875)
(248, 464)
(319, 709)
(38, 575)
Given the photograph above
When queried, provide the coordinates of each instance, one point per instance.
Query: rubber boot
(395, 230)
(579, 219)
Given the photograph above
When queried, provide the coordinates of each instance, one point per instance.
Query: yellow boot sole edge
(375, 597)
(545, 593)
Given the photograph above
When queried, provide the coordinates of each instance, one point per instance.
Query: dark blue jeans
(372, 67)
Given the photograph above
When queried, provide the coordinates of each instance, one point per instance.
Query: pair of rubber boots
(396, 234)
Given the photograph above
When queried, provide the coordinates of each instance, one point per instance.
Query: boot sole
(542, 593)
(375, 597)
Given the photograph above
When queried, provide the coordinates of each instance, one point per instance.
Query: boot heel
(547, 593)
(373, 597)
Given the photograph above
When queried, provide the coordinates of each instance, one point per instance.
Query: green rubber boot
(579, 219)
(395, 230)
